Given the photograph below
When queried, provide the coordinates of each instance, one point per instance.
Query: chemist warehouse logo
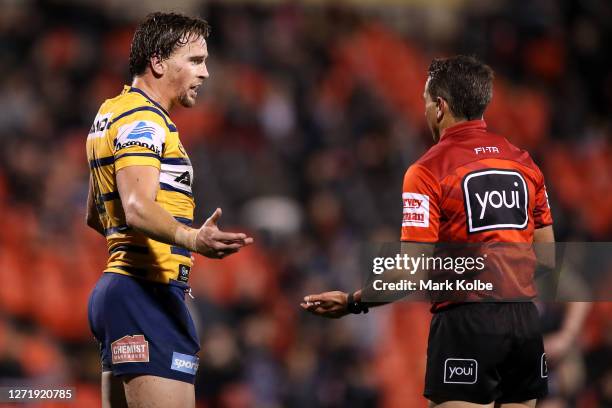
(130, 349)
(416, 210)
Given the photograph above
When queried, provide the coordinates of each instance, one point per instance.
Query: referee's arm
(558, 344)
(544, 246)
(335, 304)
(410, 249)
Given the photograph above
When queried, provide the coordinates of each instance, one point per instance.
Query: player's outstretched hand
(332, 305)
(214, 243)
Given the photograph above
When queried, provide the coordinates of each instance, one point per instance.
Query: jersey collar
(140, 91)
(464, 127)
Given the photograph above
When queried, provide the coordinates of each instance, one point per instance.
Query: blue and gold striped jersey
(133, 130)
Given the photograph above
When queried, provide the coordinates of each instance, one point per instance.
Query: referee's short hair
(464, 82)
(160, 34)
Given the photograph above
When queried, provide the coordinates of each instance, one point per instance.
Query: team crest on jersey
(183, 272)
(416, 210)
(495, 199)
(130, 349)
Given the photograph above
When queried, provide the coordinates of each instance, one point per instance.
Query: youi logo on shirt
(495, 199)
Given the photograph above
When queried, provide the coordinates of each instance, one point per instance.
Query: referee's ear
(442, 108)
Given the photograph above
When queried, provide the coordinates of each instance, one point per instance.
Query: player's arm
(91, 217)
(138, 186)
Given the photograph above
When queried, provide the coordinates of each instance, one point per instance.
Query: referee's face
(431, 114)
(187, 70)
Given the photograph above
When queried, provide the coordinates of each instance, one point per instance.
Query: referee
(471, 187)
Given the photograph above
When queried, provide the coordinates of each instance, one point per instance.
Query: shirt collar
(127, 88)
(469, 126)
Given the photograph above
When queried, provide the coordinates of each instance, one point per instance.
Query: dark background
(302, 135)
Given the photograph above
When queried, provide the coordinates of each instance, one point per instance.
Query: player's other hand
(332, 305)
(214, 243)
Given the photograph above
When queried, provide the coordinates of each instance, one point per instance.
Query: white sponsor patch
(486, 149)
(143, 133)
(416, 210)
(100, 125)
(460, 371)
(179, 177)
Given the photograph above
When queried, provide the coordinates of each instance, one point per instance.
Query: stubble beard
(185, 100)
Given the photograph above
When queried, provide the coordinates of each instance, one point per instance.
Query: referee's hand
(332, 305)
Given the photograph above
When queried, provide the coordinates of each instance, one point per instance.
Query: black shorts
(485, 352)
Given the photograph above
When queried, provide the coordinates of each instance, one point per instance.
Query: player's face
(431, 114)
(187, 69)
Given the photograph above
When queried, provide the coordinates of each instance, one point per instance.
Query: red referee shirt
(476, 187)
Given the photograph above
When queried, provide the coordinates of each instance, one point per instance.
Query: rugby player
(479, 354)
(140, 199)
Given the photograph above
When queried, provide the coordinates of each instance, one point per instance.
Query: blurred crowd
(302, 135)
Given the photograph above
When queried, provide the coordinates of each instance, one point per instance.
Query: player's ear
(158, 66)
